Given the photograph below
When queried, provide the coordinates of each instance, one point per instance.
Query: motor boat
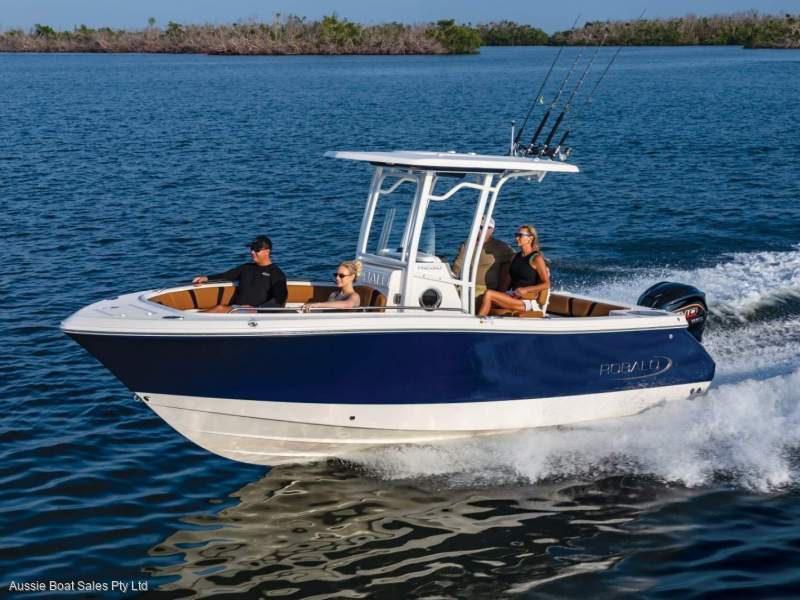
(420, 367)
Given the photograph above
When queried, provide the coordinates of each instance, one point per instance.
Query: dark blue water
(120, 173)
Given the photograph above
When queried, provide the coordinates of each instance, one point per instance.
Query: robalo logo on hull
(637, 369)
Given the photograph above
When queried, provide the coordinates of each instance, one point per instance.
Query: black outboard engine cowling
(679, 298)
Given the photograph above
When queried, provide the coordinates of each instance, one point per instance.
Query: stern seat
(563, 306)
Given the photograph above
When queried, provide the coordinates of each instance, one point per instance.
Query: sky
(550, 16)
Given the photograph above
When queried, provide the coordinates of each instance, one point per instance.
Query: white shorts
(530, 305)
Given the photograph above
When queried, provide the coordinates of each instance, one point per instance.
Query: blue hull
(402, 367)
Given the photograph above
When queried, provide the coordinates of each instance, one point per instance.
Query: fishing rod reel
(534, 150)
(559, 153)
(552, 147)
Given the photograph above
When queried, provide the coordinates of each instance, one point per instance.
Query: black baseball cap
(259, 243)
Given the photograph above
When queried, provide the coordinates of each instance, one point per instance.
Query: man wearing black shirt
(261, 282)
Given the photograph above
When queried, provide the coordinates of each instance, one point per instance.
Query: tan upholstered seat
(569, 306)
(182, 300)
(365, 293)
(200, 297)
(558, 305)
(562, 306)
(301, 293)
(379, 300)
(208, 297)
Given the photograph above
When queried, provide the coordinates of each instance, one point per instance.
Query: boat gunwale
(91, 321)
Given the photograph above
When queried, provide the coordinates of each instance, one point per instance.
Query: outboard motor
(679, 298)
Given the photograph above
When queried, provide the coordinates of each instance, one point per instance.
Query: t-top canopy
(452, 161)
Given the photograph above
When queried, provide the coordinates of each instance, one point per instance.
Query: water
(121, 173)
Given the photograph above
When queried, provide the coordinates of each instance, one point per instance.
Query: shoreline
(354, 54)
(333, 36)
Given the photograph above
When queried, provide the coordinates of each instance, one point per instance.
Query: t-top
(521, 271)
(258, 286)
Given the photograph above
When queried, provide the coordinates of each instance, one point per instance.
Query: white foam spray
(735, 288)
(744, 430)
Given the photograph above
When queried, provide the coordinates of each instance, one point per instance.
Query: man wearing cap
(493, 264)
(261, 283)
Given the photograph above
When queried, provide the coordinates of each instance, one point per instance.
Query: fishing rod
(564, 137)
(538, 98)
(554, 103)
(602, 76)
(588, 100)
(530, 148)
(568, 105)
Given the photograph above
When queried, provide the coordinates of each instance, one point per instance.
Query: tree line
(750, 29)
(335, 35)
(284, 35)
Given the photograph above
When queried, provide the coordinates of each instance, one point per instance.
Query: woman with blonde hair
(345, 296)
(529, 276)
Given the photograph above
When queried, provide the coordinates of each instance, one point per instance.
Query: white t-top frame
(485, 174)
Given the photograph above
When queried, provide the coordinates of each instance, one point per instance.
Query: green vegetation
(456, 39)
(508, 33)
(44, 31)
(284, 35)
(335, 35)
(340, 32)
(750, 30)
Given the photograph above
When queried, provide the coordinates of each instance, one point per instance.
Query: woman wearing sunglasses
(529, 276)
(345, 296)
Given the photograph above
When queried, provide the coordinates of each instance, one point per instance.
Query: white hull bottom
(274, 433)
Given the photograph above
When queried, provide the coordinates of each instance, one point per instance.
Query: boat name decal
(375, 278)
(637, 369)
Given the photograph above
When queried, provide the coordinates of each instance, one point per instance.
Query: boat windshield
(445, 224)
(390, 235)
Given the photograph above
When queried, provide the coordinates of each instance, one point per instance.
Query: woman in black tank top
(529, 276)
(521, 272)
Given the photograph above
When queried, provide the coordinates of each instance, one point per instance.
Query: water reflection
(332, 530)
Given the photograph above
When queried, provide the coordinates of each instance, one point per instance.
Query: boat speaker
(430, 299)
(679, 298)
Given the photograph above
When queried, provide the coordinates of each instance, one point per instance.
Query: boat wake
(746, 287)
(745, 431)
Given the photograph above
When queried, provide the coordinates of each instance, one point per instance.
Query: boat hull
(273, 433)
(270, 399)
(402, 367)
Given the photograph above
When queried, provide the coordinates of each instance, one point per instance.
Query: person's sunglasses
(340, 275)
(523, 235)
